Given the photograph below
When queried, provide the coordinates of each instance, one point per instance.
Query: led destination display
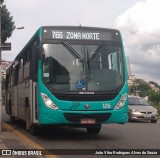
(81, 34)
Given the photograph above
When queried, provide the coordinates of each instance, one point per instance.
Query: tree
(140, 87)
(1, 1)
(154, 96)
(144, 89)
(7, 23)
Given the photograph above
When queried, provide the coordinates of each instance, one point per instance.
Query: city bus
(71, 76)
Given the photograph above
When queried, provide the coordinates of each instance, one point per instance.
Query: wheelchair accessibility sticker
(80, 84)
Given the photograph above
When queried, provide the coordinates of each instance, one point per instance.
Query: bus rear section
(77, 78)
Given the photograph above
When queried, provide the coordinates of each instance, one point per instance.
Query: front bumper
(142, 116)
(48, 116)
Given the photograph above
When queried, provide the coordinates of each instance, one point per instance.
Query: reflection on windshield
(69, 67)
(72, 51)
(137, 101)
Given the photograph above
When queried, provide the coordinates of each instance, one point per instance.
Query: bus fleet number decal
(106, 106)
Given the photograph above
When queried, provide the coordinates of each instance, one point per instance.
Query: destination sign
(75, 34)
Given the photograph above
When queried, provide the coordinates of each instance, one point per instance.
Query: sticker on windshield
(81, 85)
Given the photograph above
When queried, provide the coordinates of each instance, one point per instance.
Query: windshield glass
(137, 101)
(69, 67)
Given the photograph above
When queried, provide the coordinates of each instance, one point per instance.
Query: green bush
(157, 106)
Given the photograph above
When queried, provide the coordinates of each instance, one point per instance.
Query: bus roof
(78, 27)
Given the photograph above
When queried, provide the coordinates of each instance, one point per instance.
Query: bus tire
(94, 129)
(12, 119)
(34, 130)
(153, 121)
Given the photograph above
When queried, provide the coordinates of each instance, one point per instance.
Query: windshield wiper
(96, 51)
(72, 51)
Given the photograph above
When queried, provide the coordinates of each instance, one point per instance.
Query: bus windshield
(83, 67)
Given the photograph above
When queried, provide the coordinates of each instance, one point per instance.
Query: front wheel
(94, 129)
(12, 119)
(153, 121)
(34, 129)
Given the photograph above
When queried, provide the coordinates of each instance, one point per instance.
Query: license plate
(87, 121)
(147, 116)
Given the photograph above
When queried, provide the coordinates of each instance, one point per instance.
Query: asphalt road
(134, 135)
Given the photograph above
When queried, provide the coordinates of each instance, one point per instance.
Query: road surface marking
(29, 141)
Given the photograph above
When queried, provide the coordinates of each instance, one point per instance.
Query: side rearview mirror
(35, 56)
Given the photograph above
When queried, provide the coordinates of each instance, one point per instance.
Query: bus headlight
(121, 102)
(48, 102)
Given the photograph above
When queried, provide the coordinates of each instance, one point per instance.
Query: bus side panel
(11, 105)
(34, 96)
(8, 100)
(14, 108)
(8, 103)
(21, 103)
(24, 98)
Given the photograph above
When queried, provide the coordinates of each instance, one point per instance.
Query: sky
(137, 20)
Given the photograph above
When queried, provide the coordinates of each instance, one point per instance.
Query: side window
(112, 59)
(7, 79)
(33, 58)
(46, 71)
(15, 72)
(26, 64)
(115, 62)
(20, 75)
(11, 77)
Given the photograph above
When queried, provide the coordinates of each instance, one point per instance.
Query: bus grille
(89, 97)
(77, 117)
